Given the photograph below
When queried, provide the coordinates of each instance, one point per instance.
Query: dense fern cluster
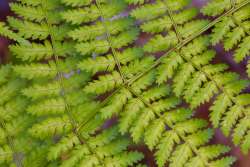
(53, 101)
(198, 81)
(14, 121)
(82, 91)
(193, 76)
(234, 29)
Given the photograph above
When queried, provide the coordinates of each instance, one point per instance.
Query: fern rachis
(81, 66)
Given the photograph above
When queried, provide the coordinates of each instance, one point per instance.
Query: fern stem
(189, 39)
(190, 60)
(60, 75)
(194, 149)
(117, 62)
(114, 53)
(177, 32)
(67, 106)
(204, 160)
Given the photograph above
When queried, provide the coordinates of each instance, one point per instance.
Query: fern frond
(37, 157)
(11, 109)
(81, 66)
(214, 8)
(243, 50)
(37, 91)
(6, 154)
(29, 13)
(31, 71)
(114, 107)
(183, 134)
(136, 112)
(86, 33)
(199, 87)
(53, 106)
(57, 107)
(207, 79)
(14, 123)
(9, 90)
(51, 127)
(41, 51)
(164, 23)
(64, 145)
(151, 11)
(36, 51)
(221, 29)
(108, 63)
(6, 32)
(117, 156)
(104, 84)
(102, 46)
(29, 29)
(91, 13)
(37, 13)
(233, 30)
(160, 42)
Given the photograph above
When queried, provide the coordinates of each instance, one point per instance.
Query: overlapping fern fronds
(155, 19)
(234, 29)
(143, 108)
(197, 81)
(194, 77)
(15, 143)
(57, 107)
(157, 118)
(79, 65)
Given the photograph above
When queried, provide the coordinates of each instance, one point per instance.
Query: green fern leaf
(6, 32)
(36, 70)
(104, 84)
(88, 14)
(91, 32)
(214, 8)
(243, 50)
(165, 147)
(53, 106)
(154, 132)
(76, 3)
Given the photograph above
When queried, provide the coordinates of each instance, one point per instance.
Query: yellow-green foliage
(234, 29)
(46, 118)
(82, 91)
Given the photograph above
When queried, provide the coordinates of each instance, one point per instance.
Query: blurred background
(202, 111)
(4, 11)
